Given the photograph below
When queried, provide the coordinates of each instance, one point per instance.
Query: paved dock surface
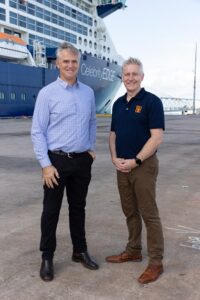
(178, 197)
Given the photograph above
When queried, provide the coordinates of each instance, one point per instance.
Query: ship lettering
(105, 73)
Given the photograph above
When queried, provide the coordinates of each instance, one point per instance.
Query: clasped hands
(124, 165)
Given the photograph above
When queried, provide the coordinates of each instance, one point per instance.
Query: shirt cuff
(45, 162)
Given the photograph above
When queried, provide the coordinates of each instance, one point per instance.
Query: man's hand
(124, 165)
(128, 165)
(50, 176)
(92, 153)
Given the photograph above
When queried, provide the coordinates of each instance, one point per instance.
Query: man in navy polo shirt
(136, 133)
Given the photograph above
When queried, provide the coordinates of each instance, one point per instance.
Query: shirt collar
(65, 84)
(139, 95)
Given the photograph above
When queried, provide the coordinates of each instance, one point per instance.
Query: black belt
(67, 154)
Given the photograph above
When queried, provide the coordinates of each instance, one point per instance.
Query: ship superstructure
(43, 24)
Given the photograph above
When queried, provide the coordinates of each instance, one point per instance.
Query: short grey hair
(69, 47)
(133, 61)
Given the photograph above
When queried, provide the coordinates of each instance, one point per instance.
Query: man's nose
(131, 77)
(70, 64)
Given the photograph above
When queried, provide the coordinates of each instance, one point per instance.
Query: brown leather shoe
(151, 273)
(123, 257)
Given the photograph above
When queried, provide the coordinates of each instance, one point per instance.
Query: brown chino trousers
(137, 191)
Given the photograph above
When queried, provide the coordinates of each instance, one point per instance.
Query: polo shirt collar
(65, 84)
(138, 96)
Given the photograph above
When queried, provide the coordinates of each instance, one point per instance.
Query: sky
(163, 35)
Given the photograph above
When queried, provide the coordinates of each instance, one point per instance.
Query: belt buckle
(69, 156)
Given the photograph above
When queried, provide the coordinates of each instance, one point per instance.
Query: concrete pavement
(178, 197)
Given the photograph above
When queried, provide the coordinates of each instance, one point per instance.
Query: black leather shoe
(47, 270)
(86, 260)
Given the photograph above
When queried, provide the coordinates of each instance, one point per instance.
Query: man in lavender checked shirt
(63, 135)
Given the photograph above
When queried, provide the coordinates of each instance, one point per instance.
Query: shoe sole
(119, 262)
(46, 280)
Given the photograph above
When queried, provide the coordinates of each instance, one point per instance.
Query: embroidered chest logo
(138, 109)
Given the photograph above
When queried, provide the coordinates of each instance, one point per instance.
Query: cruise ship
(30, 32)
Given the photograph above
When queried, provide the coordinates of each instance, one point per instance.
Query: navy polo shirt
(132, 121)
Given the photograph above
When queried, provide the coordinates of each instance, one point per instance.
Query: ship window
(95, 45)
(31, 39)
(47, 15)
(73, 39)
(54, 32)
(54, 5)
(73, 26)
(47, 29)
(22, 7)
(23, 96)
(61, 7)
(2, 96)
(80, 40)
(84, 30)
(31, 24)
(47, 3)
(12, 96)
(90, 32)
(39, 12)
(22, 21)
(2, 14)
(85, 19)
(13, 3)
(104, 48)
(67, 23)
(74, 14)
(95, 34)
(39, 27)
(31, 9)
(90, 44)
(95, 22)
(13, 19)
(6, 30)
(90, 21)
(108, 49)
(104, 38)
(79, 16)
(61, 35)
(67, 11)
(2, 1)
(61, 21)
(79, 28)
(17, 33)
(85, 42)
(54, 18)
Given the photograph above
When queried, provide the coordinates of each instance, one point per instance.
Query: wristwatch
(138, 161)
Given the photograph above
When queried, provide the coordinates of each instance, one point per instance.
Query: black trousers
(75, 176)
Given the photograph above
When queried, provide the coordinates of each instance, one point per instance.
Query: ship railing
(105, 2)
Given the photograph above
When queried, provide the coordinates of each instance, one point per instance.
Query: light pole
(194, 87)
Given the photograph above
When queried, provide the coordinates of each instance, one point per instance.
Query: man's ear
(56, 63)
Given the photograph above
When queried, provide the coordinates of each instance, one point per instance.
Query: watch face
(138, 161)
